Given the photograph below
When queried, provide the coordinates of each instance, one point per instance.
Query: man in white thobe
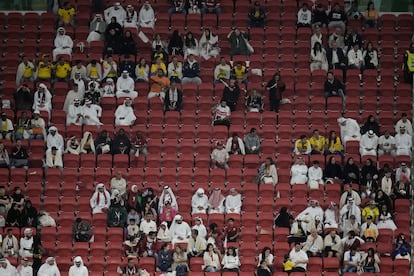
(131, 17)
(25, 269)
(91, 113)
(116, 11)
(125, 86)
(233, 202)
(313, 210)
(100, 200)
(348, 210)
(199, 202)
(180, 231)
(349, 129)
(403, 142)
(74, 114)
(78, 269)
(108, 89)
(6, 269)
(63, 44)
(49, 268)
(404, 122)
(54, 139)
(124, 114)
(42, 99)
(146, 17)
(298, 172)
(73, 94)
(368, 143)
(26, 243)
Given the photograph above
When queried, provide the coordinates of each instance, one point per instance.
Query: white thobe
(298, 174)
(125, 88)
(25, 247)
(180, 232)
(368, 145)
(48, 270)
(330, 219)
(72, 115)
(54, 162)
(350, 131)
(55, 141)
(406, 124)
(119, 14)
(9, 270)
(403, 143)
(202, 231)
(63, 45)
(78, 271)
(70, 97)
(315, 174)
(103, 202)
(239, 141)
(347, 211)
(93, 112)
(131, 20)
(233, 202)
(387, 144)
(108, 90)
(146, 18)
(25, 270)
(42, 101)
(312, 212)
(124, 116)
(197, 201)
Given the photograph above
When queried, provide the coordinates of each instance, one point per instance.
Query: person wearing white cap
(350, 209)
(403, 142)
(233, 202)
(146, 17)
(74, 115)
(63, 44)
(108, 88)
(49, 268)
(131, 17)
(124, 114)
(26, 243)
(42, 99)
(54, 139)
(116, 11)
(6, 269)
(78, 268)
(386, 144)
(167, 195)
(91, 113)
(25, 268)
(350, 129)
(404, 122)
(125, 86)
(368, 143)
(100, 200)
(199, 202)
(180, 231)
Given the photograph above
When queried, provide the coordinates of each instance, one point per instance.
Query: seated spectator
(42, 99)
(222, 71)
(219, 156)
(113, 37)
(338, 37)
(317, 36)
(142, 71)
(233, 202)
(402, 186)
(403, 142)
(196, 245)
(125, 86)
(239, 73)
(302, 146)
(158, 42)
(230, 260)
(231, 94)
(252, 142)
(199, 202)
(348, 194)
(175, 70)
(351, 172)
(349, 129)
(315, 176)
(317, 143)
(93, 93)
(353, 13)
(97, 29)
(320, 16)
(25, 72)
(231, 231)
(121, 143)
(178, 6)
(267, 172)
(318, 58)
(283, 218)
(402, 248)
(208, 44)
(191, 71)
(163, 234)
(175, 44)
(14, 216)
(180, 230)
(267, 256)
(336, 57)
(352, 259)
(215, 202)
(211, 259)
(368, 143)
(190, 45)
(298, 172)
(353, 38)
(386, 144)
(44, 69)
(369, 231)
(216, 238)
(370, 261)
(75, 93)
(371, 124)
(130, 19)
(304, 16)
(210, 6)
(118, 183)
(19, 156)
(133, 221)
(139, 145)
(370, 56)
(309, 214)
(333, 87)
(173, 98)
(254, 101)
(100, 200)
(350, 209)
(355, 58)
(199, 226)
(146, 18)
(10, 245)
(26, 243)
(352, 240)
(235, 145)
(103, 143)
(299, 258)
(387, 182)
(179, 260)
(23, 99)
(238, 43)
(81, 230)
(332, 245)
(221, 114)
(94, 70)
(147, 225)
(264, 269)
(129, 46)
(164, 258)
(117, 216)
(54, 139)
(337, 17)
(160, 83)
(74, 115)
(91, 114)
(314, 244)
(148, 245)
(54, 159)
(108, 88)
(371, 16)
(63, 44)
(257, 16)
(116, 11)
(331, 215)
(408, 64)
(405, 123)
(62, 70)
(127, 65)
(124, 114)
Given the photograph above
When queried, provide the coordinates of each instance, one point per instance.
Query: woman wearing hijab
(78, 268)
(351, 171)
(167, 195)
(331, 216)
(87, 144)
(190, 45)
(100, 200)
(371, 124)
(332, 169)
(49, 268)
(14, 216)
(268, 172)
(129, 46)
(382, 198)
(215, 202)
(370, 169)
(283, 219)
(175, 45)
(134, 199)
(29, 215)
(199, 202)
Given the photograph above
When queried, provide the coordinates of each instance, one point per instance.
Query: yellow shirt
(44, 72)
(317, 144)
(334, 145)
(302, 146)
(239, 73)
(62, 71)
(66, 15)
(5, 127)
(367, 211)
(93, 73)
(28, 71)
(155, 67)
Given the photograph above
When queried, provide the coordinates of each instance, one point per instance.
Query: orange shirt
(159, 83)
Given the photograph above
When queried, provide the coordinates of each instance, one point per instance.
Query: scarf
(99, 197)
(215, 199)
(173, 97)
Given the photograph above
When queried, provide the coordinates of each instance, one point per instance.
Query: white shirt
(220, 155)
(407, 124)
(94, 112)
(48, 270)
(315, 173)
(126, 113)
(222, 112)
(356, 258)
(304, 17)
(233, 202)
(386, 142)
(239, 141)
(298, 256)
(367, 142)
(125, 84)
(355, 57)
(298, 174)
(197, 201)
(25, 270)
(146, 17)
(175, 70)
(147, 227)
(72, 115)
(55, 141)
(63, 41)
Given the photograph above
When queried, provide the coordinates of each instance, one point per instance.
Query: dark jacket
(340, 54)
(191, 71)
(178, 105)
(331, 87)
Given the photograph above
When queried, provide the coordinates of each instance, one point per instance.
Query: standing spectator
(19, 156)
(371, 16)
(25, 71)
(81, 230)
(275, 87)
(257, 16)
(238, 43)
(370, 57)
(252, 142)
(6, 127)
(299, 258)
(191, 71)
(337, 17)
(304, 16)
(318, 58)
(219, 157)
(221, 114)
(210, 6)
